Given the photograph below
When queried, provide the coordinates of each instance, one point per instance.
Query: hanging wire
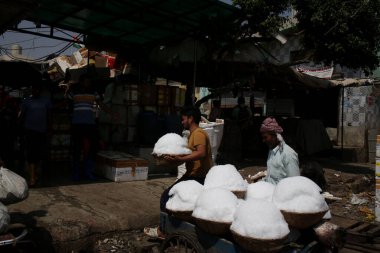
(36, 47)
(21, 41)
(40, 59)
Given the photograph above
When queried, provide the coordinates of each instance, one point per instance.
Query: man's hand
(172, 158)
(258, 176)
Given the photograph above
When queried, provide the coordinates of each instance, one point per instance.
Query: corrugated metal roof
(134, 22)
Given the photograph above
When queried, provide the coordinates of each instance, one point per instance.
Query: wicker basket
(239, 194)
(259, 245)
(182, 215)
(302, 220)
(213, 227)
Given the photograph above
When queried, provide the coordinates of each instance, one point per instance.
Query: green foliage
(343, 32)
(263, 16)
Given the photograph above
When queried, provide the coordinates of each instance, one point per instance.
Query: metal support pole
(88, 60)
(195, 71)
(341, 127)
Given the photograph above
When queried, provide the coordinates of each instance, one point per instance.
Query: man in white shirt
(282, 160)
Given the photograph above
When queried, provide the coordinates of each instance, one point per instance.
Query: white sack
(4, 218)
(13, 188)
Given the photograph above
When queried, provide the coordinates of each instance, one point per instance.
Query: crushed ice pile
(216, 204)
(225, 176)
(299, 195)
(260, 190)
(259, 219)
(171, 144)
(259, 215)
(184, 195)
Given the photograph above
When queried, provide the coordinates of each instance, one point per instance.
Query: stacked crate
(60, 140)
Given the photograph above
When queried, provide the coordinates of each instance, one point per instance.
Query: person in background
(8, 131)
(243, 115)
(83, 128)
(198, 163)
(282, 160)
(216, 111)
(35, 115)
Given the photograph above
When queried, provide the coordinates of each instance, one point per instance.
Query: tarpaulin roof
(130, 22)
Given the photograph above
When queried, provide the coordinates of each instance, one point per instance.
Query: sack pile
(13, 188)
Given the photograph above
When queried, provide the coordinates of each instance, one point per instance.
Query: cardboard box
(119, 166)
(101, 62)
(96, 73)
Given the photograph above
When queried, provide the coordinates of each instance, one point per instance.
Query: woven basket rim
(210, 221)
(177, 211)
(160, 156)
(258, 239)
(298, 213)
(240, 191)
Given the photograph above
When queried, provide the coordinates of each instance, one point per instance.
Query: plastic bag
(4, 218)
(13, 188)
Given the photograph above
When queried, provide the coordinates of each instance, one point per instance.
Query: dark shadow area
(60, 174)
(38, 239)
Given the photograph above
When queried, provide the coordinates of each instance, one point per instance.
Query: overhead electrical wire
(36, 47)
(21, 41)
(40, 59)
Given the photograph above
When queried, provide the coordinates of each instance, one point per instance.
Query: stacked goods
(170, 144)
(4, 218)
(163, 95)
(214, 210)
(300, 201)
(227, 177)
(183, 197)
(13, 188)
(260, 190)
(259, 225)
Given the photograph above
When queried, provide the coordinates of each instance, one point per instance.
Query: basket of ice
(214, 210)
(300, 201)
(182, 199)
(259, 226)
(227, 177)
(170, 144)
(260, 190)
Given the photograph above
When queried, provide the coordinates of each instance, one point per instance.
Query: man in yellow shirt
(198, 163)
